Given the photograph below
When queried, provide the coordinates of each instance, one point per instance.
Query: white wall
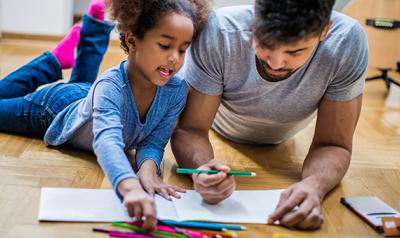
(1, 3)
(42, 17)
(80, 7)
(224, 3)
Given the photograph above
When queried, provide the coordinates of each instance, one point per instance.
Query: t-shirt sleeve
(108, 141)
(203, 68)
(349, 80)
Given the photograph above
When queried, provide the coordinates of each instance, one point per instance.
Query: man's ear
(130, 40)
(324, 33)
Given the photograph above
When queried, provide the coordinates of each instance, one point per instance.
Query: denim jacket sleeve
(108, 141)
(152, 148)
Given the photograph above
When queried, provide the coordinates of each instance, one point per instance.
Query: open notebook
(102, 205)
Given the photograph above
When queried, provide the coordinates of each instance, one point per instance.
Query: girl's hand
(153, 184)
(138, 203)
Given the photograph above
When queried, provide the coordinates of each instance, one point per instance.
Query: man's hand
(152, 183)
(214, 187)
(299, 207)
(324, 167)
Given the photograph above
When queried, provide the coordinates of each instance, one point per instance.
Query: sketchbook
(102, 205)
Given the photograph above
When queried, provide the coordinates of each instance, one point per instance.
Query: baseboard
(23, 36)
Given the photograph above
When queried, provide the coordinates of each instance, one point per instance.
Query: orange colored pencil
(220, 234)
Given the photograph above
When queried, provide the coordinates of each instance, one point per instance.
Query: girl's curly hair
(140, 16)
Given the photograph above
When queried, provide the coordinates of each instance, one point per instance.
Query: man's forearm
(325, 166)
(191, 149)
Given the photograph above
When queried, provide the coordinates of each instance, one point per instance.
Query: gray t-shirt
(222, 62)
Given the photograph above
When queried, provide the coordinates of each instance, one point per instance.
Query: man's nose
(276, 61)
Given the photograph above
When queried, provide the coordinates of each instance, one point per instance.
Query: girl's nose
(173, 58)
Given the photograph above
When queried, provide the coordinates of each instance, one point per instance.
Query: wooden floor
(26, 165)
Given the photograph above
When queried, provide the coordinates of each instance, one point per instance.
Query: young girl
(132, 106)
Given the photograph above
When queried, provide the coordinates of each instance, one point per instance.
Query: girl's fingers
(150, 191)
(130, 209)
(138, 212)
(149, 212)
(164, 190)
(179, 189)
(164, 193)
(173, 193)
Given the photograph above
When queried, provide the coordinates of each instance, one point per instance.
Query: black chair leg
(385, 76)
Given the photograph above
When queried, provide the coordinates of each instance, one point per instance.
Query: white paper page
(165, 209)
(244, 206)
(90, 205)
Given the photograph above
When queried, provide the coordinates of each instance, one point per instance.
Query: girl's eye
(164, 47)
(294, 54)
(182, 52)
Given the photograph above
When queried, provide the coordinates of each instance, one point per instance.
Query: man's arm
(190, 143)
(192, 148)
(324, 167)
(329, 156)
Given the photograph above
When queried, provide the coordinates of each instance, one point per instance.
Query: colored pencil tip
(230, 234)
(100, 230)
(253, 174)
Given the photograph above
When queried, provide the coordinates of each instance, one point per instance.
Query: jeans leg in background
(20, 116)
(95, 36)
(33, 113)
(42, 70)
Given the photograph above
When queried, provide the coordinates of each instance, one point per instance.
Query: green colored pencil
(137, 229)
(211, 171)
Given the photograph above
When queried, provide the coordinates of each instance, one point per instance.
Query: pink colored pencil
(191, 233)
(194, 234)
(122, 234)
(126, 235)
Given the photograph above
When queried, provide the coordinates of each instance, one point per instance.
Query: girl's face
(160, 54)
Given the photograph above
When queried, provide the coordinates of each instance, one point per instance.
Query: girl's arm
(152, 148)
(109, 148)
(108, 144)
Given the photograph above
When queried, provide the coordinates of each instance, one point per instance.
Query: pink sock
(96, 9)
(64, 51)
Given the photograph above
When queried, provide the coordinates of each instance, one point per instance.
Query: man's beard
(270, 77)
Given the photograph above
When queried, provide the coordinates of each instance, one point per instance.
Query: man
(259, 74)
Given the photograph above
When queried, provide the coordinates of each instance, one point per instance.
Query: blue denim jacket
(107, 122)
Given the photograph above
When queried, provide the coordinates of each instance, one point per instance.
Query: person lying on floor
(134, 105)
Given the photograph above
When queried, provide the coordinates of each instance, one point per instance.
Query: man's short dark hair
(279, 22)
